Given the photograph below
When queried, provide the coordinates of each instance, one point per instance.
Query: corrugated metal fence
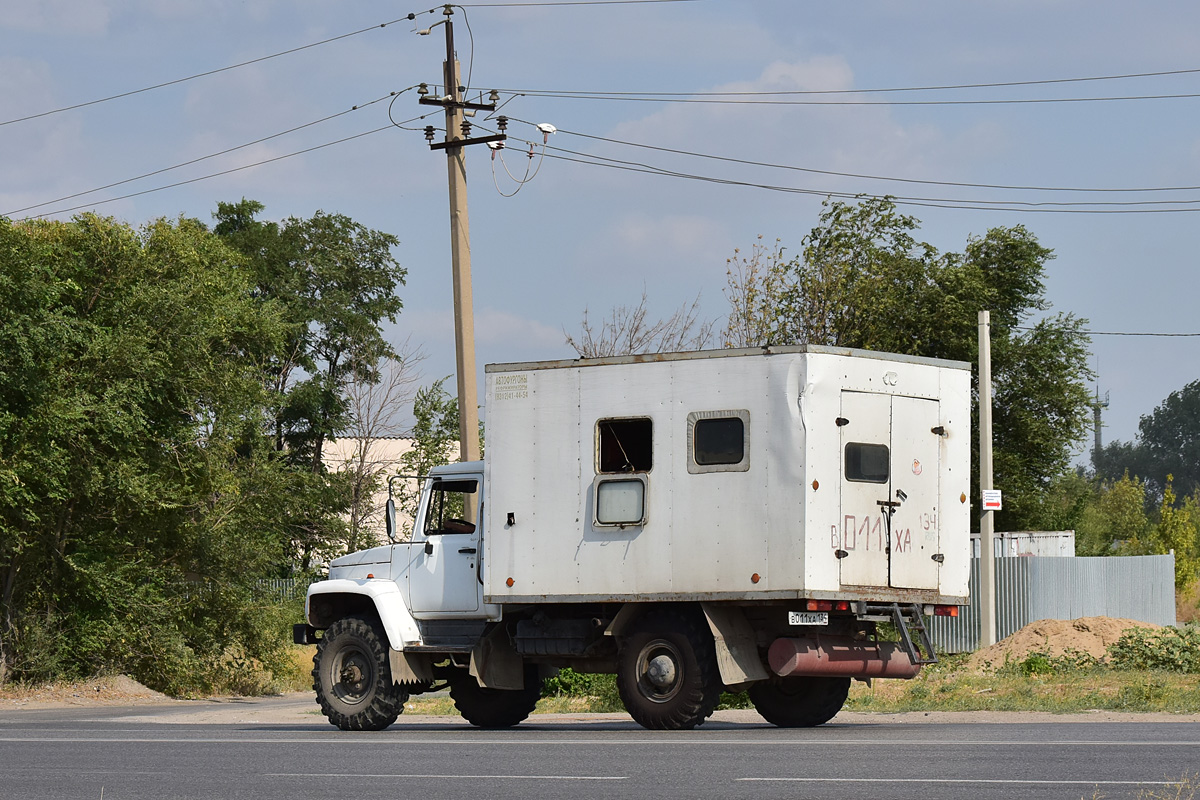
(1033, 588)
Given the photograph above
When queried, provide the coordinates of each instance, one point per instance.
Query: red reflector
(820, 605)
(945, 611)
(841, 605)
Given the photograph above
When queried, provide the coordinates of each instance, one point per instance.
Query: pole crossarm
(443, 102)
(499, 137)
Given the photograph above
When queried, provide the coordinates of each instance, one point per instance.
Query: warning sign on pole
(991, 500)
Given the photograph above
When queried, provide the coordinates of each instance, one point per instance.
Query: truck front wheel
(667, 671)
(799, 701)
(352, 678)
(495, 708)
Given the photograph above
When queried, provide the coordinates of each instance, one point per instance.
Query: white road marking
(959, 780)
(451, 777)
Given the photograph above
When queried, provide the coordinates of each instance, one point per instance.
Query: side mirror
(389, 516)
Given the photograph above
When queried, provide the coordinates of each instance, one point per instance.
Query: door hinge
(938, 557)
(840, 554)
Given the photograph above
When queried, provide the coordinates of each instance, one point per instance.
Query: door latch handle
(428, 547)
(466, 549)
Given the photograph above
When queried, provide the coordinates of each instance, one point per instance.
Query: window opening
(625, 445)
(448, 504)
(719, 441)
(867, 463)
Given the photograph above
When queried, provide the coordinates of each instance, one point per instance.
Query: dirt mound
(1090, 635)
(114, 690)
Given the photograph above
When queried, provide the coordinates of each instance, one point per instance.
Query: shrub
(1171, 649)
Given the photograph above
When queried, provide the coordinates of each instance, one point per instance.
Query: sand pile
(1090, 635)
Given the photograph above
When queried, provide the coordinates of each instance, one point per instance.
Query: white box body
(785, 522)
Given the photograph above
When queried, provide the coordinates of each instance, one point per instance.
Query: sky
(583, 236)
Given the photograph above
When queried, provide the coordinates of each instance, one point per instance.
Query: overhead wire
(852, 102)
(881, 90)
(197, 160)
(977, 205)
(834, 173)
(222, 172)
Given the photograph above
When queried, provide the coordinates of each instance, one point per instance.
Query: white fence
(1029, 589)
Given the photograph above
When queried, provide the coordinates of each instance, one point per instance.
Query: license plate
(808, 618)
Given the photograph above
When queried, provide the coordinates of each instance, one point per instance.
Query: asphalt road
(246, 752)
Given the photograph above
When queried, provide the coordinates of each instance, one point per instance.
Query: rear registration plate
(808, 618)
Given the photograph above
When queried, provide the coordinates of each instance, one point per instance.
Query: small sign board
(991, 500)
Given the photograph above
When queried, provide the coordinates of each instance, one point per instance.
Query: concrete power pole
(457, 138)
(987, 547)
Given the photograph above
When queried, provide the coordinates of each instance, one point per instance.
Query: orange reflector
(816, 486)
(820, 605)
(370, 575)
(945, 611)
(962, 498)
(509, 582)
(755, 578)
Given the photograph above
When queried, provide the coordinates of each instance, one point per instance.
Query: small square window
(867, 463)
(718, 441)
(620, 501)
(624, 445)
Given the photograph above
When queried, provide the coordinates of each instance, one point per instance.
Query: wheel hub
(661, 671)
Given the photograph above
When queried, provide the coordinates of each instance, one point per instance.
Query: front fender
(341, 597)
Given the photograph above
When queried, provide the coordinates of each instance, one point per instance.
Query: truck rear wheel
(799, 701)
(495, 708)
(667, 671)
(352, 677)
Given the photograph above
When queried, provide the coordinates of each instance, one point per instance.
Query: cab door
(444, 576)
(889, 527)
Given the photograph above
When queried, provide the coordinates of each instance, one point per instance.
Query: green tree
(139, 500)
(335, 282)
(1178, 529)
(864, 280)
(1168, 443)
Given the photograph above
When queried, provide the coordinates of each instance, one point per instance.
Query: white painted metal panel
(706, 535)
(866, 422)
(443, 570)
(915, 486)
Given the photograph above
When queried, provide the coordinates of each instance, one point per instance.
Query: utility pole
(458, 136)
(987, 547)
(1096, 406)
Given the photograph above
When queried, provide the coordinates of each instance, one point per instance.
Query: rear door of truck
(890, 453)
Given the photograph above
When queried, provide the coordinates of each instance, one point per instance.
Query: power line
(715, 101)
(961, 184)
(226, 151)
(211, 71)
(975, 205)
(216, 174)
(1116, 333)
(931, 88)
(570, 3)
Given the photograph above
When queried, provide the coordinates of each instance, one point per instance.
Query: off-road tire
(353, 679)
(687, 692)
(799, 701)
(495, 708)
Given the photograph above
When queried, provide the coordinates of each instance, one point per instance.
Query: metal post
(987, 547)
(460, 253)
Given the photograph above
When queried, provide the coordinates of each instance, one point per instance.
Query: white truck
(692, 522)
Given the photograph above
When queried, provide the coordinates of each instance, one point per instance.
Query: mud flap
(409, 667)
(737, 652)
(495, 663)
